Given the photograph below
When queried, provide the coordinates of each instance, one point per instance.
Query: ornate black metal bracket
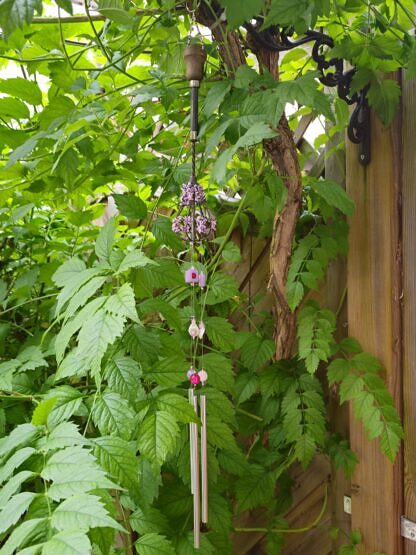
(332, 75)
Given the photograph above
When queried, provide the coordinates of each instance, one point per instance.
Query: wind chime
(195, 224)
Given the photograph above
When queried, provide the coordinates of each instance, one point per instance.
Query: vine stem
(313, 524)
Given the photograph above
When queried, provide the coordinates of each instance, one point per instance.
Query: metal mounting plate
(408, 529)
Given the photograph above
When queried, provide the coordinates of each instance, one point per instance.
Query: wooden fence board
(374, 317)
(409, 307)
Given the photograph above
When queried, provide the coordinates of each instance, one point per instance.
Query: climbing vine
(93, 321)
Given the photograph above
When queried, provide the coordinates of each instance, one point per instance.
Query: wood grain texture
(409, 306)
(374, 317)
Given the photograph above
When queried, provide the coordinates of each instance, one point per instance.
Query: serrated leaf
(177, 406)
(221, 333)
(13, 485)
(19, 436)
(123, 376)
(66, 272)
(131, 206)
(134, 259)
(220, 372)
(42, 411)
(82, 512)
(105, 240)
(113, 415)
(22, 533)
(150, 520)
(294, 292)
(256, 351)
(14, 462)
(215, 96)
(83, 295)
(68, 542)
(123, 303)
(157, 436)
(350, 387)
(246, 385)
(334, 195)
(71, 327)
(255, 488)
(16, 506)
(118, 458)
(68, 402)
(24, 89)
(154, 544)
(65, 434)
(384, 97)
(305, 449)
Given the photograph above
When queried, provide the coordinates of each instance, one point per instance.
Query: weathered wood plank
(374, 316)
(409, 307)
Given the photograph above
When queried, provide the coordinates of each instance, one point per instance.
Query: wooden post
(409, 303)
(374, 319)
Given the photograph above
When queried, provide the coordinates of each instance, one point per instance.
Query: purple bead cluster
(192, 193)
(197, 224)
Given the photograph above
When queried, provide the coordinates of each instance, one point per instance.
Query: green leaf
(384, 97)
(68, 402)
(68, 542)
(21, 435)
(114, 10)
(123, 303)
(150, 520)
(220, 372)
(24, 89)
(101, 330)
(238, 12)
(23, 533)
(83, 294)
(42, 411)
(14, 462)
(221, 333)
(112, 415)
(221, 288)
(255, 488)
(177, 406)
(67, 271)
(65, 434)
(255, 134)
(157, 436)
(14, 13)
(12, 108)
(131, 206)
(105, 240)
(334, 195)
(118, 458)
(215, 96)
(154, 544)
(12, 485)
(246, 385)
(256, 351)
(294, 292)
(82, 512)
(123, 376)
(14, 509)
(133, 259)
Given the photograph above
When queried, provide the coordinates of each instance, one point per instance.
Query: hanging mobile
(195, 224)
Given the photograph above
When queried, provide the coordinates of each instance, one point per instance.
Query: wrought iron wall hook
(332, 75)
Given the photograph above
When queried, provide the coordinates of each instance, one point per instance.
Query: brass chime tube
(204, 460)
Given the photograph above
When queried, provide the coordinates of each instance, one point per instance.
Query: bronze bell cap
(195, 57)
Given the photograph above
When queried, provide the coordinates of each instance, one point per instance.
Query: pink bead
(195, 379)
(191, 275)
(203, 376)
(202, 280)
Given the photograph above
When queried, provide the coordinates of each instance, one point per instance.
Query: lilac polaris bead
(190, 372)
(195, 379)
(191, 275)
(202, 280)
(203, 376)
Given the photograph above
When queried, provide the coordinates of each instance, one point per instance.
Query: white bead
(193, 329)
(203, 376)
(201, 329)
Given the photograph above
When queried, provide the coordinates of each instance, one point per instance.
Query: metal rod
(197, 500)
(194, 109)
(191, 443)
(204, 460)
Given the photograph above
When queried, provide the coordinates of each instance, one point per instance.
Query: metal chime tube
(194, 108)
(197, 500)
(204, 459)
(191, 443)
